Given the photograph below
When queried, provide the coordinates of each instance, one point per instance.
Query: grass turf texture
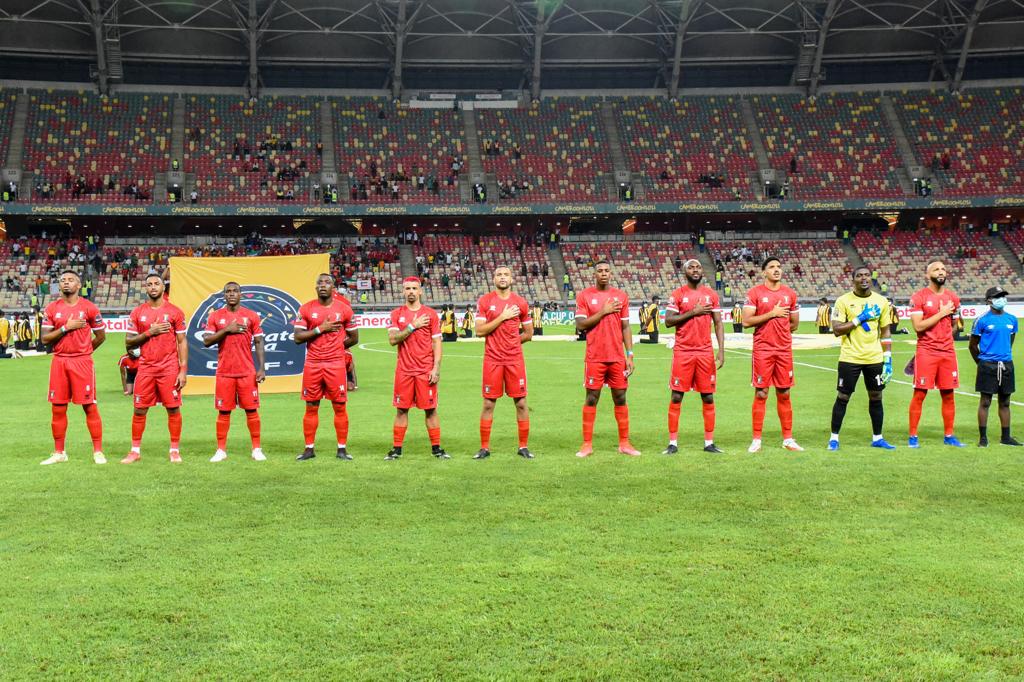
(860, 563)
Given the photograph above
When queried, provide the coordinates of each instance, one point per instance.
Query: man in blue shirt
(991, 343)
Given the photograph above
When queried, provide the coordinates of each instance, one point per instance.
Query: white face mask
(999, 303)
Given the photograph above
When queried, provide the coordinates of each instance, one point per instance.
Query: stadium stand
(87, 147)
(562, 148)
(840, 141)
(973, 261)
(280, 134)
(642, 269)
(381, 147)
(7, 100)
(980, 131)
(473, 261)
(811, 267)
(685, 139)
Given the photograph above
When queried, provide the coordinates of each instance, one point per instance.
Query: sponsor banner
(615, 208)
(363, 284)
(272, 286)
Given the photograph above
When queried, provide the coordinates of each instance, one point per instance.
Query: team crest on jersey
(277, 309)
(764, 300)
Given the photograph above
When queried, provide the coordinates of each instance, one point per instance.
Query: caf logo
(277, 310)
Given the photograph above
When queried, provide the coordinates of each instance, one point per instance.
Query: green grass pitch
(856, 564)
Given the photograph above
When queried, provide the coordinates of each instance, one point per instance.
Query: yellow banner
(272, 286)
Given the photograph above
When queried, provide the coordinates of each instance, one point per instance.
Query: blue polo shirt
(994, 332)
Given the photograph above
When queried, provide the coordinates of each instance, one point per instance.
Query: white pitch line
(833, 370)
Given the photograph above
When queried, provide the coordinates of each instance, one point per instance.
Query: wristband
(410, 329)
(317, 330)
(629, 353)
(63, 330)
(887, 354)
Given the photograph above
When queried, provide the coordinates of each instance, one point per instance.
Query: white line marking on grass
(834, 370)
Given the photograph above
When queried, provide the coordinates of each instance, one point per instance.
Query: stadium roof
(528, 38)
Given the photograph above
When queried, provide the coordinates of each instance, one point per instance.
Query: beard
(938, 281)
(693, 281)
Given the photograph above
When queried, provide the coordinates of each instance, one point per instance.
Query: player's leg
(675, 406)
(341, 429)
(59, 395)
(590, 401)
(138, 428)
(874, 382)
(947, 380)
(170, 398)
(1004, 420)
(757, 411)
(523, 427)
(486, 422)
(916, 408)
(515, 387)
(174, 432)
(784, 407)
(252, 420)
(846, 384)
(707, 406)
(398, 429)
(82, 375)
(310, 422)
(223, 427)
(249, 401)
(433, 421)
(225, 399)
(925, 368)
(621, 410)
(984, 402)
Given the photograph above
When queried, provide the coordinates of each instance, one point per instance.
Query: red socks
(340, 423)
(916, 406)
(138, 427)
(59, 426)
(398, 435)
(310, 420)
(948, 411)
(485, 433)
(434, 435)
(673, 420)
(174, 428)
(589, 413)
(757, 415)
(709, 420)
(785, 410)
(524, 432)
(622, 421)
(95, 426)
(223, 424)
(253, 420)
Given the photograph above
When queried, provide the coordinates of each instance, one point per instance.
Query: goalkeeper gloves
(886, 367)
(870, 312)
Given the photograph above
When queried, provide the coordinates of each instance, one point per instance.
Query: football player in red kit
(602, 311)
(327, 326)
(416, 330)
(503, 320)
(235, 329)
(157, 327)
(74, 327)
(773, 310)
(692, 309)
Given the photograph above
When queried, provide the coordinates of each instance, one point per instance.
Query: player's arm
(352, 338)
(124, 379)
(51, 335)
(261, 359)
(302, 334)
(211, 338)
(525, 331)
(136, 340)
(483, 327)
(98, 337)
(751, 320)
(794, 320)
(435, 372)
(716, 318)
(975, 345)
(584, 323)
(627, 344)
(923, 324)
(841, 327)
(182, 348)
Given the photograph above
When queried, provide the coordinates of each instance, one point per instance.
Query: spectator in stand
(946, 161)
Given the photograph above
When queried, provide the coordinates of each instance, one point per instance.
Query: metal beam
(252, 38)
(94, 13)
(819, 50)
(687, 10)
(540, 29)
(404, 22)
(972, 23)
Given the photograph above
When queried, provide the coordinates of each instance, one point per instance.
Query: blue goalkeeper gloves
(870, 312)
(886, 368)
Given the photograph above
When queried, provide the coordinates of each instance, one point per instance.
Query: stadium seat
(643, 269)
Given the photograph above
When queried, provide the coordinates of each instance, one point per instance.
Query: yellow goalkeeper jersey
(859, 346)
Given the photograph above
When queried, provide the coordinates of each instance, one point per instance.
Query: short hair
(768, 260)
(931, 261)
(70, 272)
(153, 274)
(602, 262)
(862, 267)
(227, 284)
(502, 267)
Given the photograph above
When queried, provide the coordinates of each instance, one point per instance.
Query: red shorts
(415, 391)
(348, 361)
(72, 380)
(936, 370)
(501, 380)
(598, 374)
(772, 369)
(157, 385)
(320, 379)
(693, 371)
(241, 391)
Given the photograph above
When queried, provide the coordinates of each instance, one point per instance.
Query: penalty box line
(834, 370)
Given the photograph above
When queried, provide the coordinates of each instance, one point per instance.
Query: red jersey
(329, 347)
(129, 362)
(234, 352)
(502, 345)
(79, 341)
(604, 340)
(695, 333)
(160, 351)
(938, 339)
(416, 353)
(774, 335)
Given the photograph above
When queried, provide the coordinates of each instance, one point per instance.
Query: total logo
(277, 310)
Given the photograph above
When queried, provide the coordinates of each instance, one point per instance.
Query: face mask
(999, 303)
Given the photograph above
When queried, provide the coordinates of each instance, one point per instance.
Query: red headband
(407, 280)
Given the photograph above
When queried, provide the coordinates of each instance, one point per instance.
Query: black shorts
(129, 375)
(849, 372)
(993, 381)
